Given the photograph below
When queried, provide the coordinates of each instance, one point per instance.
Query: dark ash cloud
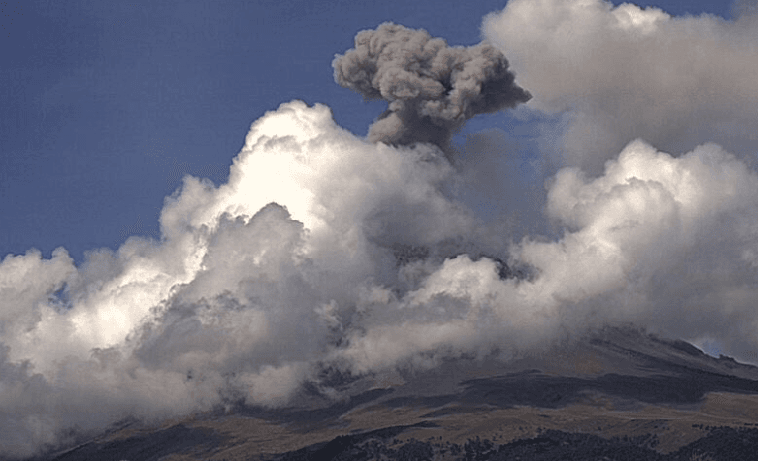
(431, 88)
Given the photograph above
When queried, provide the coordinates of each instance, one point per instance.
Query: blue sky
(106, 105)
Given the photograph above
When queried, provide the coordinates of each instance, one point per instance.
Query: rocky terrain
(619, 394)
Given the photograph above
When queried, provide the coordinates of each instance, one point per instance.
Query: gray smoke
(432, 89)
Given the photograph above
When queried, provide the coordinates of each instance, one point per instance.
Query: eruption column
(432, 89)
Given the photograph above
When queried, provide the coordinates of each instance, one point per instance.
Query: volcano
(617, 393)
(409, 294)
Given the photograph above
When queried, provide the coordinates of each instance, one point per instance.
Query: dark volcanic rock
(366, 445)
(726, 444)
(145, 447)
(618, 395)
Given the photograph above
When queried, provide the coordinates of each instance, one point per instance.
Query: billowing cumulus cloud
(255, 286)
(432, 89)
(327, 252)
(665, 242)
(614, 74)
(309, 259)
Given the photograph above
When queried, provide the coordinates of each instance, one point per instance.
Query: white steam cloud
(327, 251)
(615, 74)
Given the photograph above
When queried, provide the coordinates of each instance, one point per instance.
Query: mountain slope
(617, 394)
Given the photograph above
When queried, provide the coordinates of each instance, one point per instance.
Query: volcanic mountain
(617, 393)
(410, 295)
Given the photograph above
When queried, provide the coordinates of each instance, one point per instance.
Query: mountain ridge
(617, 390)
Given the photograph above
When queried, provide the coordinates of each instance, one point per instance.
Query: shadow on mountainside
(721, 444)
(534, 389)
(151, 446)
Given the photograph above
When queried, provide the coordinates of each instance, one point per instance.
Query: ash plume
(431, 88)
